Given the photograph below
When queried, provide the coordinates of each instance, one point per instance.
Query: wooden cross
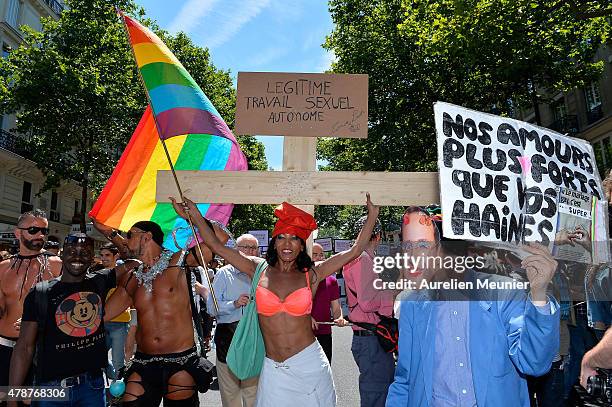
(299, 183)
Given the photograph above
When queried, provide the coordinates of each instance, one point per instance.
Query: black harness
(17, 261)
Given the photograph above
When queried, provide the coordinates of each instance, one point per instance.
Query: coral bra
(296, 304)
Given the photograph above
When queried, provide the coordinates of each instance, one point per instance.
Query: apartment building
(585, 113)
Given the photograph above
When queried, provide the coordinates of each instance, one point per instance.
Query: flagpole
(178, 186)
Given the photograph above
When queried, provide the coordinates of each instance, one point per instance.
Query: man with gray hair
(18, 274)
(232, 287)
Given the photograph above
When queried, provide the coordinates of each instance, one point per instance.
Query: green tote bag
(247, 351)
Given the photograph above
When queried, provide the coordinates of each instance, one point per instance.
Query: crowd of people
(153, 310)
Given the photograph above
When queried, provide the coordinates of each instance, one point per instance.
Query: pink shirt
(327, 292)
(363, 299)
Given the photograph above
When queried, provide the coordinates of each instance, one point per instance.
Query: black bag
(387, 332)
(205, 367)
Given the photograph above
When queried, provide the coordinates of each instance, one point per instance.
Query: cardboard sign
(500, 178)
(341, 245)
(302, 104)
(326, 243)
(261, 236)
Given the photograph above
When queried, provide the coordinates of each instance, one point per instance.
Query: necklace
(147, 278)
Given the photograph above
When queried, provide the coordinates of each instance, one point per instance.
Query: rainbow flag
(196, 136)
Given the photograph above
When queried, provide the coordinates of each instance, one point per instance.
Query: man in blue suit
(471, 347)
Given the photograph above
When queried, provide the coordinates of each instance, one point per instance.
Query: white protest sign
(500, 177)
(326, 243)
(261, 236)
(341, 245)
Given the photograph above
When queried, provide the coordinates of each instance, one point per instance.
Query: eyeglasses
(129, 233)
(248, 247)
(35, 229)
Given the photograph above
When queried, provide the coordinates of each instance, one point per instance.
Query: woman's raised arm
(337, 261)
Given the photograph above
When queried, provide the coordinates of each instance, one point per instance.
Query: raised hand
(103, 229)
(184, 208)
(540, 268)
(373, 210)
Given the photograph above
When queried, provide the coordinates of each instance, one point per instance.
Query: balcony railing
(565, 124)
(55, 6)
(594, 114)
(11, 142)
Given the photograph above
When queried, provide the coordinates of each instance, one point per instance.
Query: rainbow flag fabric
(196, 136)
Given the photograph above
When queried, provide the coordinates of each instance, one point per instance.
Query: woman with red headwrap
(295, 369)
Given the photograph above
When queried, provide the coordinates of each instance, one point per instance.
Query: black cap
(153, 228)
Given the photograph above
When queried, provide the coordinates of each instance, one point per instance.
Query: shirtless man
(166, 364)
(18, 275)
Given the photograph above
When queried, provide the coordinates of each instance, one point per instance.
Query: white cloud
(190, 15)
(231, 19)
(266, 56)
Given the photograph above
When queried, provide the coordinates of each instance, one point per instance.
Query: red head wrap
(293, 221)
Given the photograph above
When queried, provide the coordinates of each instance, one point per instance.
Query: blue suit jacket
(509, 338)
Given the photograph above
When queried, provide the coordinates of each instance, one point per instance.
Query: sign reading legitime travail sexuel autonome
(302, 104)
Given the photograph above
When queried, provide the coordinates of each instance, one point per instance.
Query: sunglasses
(35, 229)
(130, 232)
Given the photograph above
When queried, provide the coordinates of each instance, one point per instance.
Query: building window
(77, 207)
(603, 155)
(593, 102)
(593, 98)
(559, 110)
(12, 11)
(6, 50)
(26, 197)
(54, 213)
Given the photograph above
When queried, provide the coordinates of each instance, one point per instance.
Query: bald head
(317, 252)
(247, 244)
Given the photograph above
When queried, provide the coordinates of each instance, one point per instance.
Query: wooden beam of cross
(307, 188)
(341, 101)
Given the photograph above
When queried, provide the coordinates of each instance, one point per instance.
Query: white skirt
(303, 380)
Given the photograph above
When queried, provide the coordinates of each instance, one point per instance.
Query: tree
(78, 97)
(75, 89)
(494, 56)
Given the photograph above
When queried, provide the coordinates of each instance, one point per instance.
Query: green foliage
(75, 89)
(340, 221)
(481, 54)
(78, 97)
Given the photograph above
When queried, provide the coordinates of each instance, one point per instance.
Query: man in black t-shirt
(68, 349)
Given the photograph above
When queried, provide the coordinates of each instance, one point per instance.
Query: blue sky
(253, 35)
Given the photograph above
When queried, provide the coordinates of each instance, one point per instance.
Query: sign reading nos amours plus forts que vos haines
(302, 104)
(506, 180)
